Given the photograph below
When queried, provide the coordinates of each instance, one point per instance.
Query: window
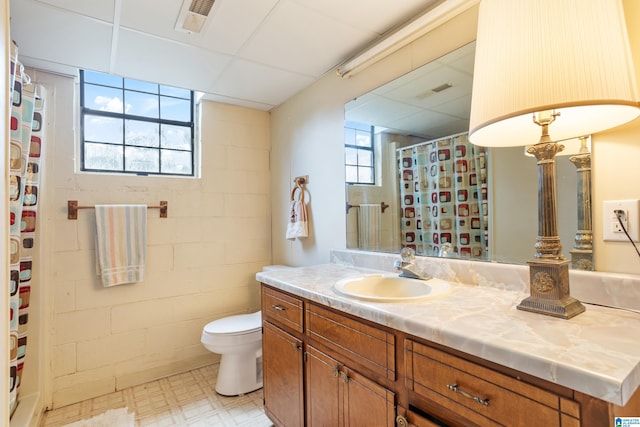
(359, 165)
(131, 126)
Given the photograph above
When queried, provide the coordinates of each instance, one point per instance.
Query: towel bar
(383, 206)
(72, 208)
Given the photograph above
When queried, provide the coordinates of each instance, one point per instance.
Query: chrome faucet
(407, 267)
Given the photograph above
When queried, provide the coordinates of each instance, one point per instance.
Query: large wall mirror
(421, 109)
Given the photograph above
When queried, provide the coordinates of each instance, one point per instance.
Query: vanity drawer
(284, 310)
(479, 394)
(356, 342)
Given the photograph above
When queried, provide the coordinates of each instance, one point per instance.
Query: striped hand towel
(121, 243)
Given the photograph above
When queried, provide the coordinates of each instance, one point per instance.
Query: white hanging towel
(121, 243)
(297, 225)
(369, 216)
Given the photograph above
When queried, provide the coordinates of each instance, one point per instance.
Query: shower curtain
(25, 147)
(444, 195)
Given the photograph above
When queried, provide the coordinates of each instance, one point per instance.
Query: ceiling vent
(193, 15)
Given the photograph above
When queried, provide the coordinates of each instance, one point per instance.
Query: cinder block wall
(201, 263)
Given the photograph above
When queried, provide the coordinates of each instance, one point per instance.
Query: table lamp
(543, 68)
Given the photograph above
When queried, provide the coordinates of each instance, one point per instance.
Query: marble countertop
(596, 352)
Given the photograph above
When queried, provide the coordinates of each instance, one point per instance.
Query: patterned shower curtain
(444, 195)
(25, 146)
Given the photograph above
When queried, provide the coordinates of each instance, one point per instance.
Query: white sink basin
(390, 288)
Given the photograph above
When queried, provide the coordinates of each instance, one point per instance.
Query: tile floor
(186, 399)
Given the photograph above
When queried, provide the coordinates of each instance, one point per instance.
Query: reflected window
(131, 126)
(359, 153)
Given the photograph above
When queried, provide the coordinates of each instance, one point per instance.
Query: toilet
(239, 340)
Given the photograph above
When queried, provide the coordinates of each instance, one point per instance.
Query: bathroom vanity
(464, 358)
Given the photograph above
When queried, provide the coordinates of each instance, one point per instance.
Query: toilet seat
(240, 324)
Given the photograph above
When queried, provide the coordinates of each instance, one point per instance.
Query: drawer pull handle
(457, 389)
(278, 307)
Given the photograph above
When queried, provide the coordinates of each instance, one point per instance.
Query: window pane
(142, 159)
(365, 158)
(175, 109)
(102, 129)
(141, 86)
(176, 162)
(365, 175)
(176, 137)
(350, 136)
(102, 157)
(351, 174)
(102, 79)
(103, 99)
(141, 104)
(175, 91)
(363, 139)
(351, 156)
(141, 133)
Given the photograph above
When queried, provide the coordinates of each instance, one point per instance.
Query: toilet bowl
(238, 339)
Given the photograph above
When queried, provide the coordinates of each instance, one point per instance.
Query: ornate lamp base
(582, 259)
(549, 283)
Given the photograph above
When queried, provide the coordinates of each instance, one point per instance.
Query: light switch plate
(611, 230)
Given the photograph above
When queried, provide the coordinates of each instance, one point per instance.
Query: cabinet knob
(456, 389)
(401, 421)
(296, 347)
(335, 372)
(278, 307)
(345, 377)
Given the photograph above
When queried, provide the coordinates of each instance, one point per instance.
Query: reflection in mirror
(432, 104)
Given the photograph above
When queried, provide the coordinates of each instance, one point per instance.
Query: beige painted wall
(201, 261)
(307, 139)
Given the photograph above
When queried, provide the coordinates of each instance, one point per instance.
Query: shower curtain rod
(72, 208)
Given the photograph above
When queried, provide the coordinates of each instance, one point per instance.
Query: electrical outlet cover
(610, 224)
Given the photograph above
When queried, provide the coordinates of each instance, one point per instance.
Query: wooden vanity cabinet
(337, 391)
(333, 357)
(339, 396)
(282, 358)
(326, 368)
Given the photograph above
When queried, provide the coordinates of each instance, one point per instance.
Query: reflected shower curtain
(25, 147)
(444, 197)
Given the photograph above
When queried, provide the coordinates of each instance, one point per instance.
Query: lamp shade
(569, 55)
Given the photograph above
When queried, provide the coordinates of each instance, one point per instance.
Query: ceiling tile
(373, 15)
(44, 39)
(251, 81)
(150, 58)
(298, 39)
(99, 9)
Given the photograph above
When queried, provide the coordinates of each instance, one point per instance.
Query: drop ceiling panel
(99, 9)
(248, 80)
(373, 16)
(150, 58)
(230, 23)
(54, 35)
(296, 38)
(233, 22)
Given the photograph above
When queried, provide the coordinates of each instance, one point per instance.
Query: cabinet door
(324, 391)
(282, 376)
(338, 396)
(365, 402)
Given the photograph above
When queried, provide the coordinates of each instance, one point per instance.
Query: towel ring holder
(293, 192)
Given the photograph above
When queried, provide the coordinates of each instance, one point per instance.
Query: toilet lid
(235, 325)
